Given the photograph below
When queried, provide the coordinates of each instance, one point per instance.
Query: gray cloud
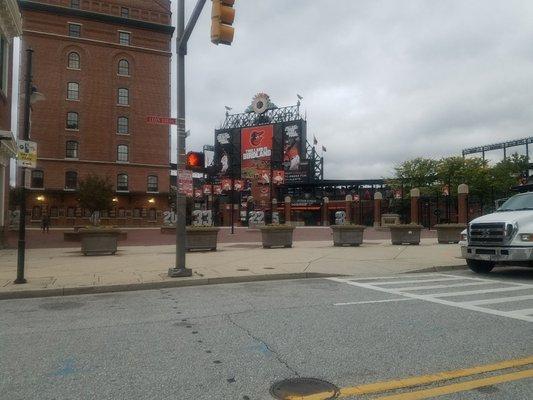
(383, 81)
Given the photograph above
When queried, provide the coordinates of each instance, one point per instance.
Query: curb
(72, 291)
(439, 268)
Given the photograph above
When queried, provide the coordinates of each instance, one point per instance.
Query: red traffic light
(195, 161)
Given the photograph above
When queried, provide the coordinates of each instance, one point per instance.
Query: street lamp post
(25, 136)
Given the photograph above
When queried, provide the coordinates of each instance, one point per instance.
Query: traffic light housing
(222, 17)
(195, 161)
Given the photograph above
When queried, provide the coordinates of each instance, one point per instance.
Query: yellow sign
(26, 154)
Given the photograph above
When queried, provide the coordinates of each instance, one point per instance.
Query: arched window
(124, 67)
(123, 125)
(71, 180)
(74, 60)
(122, 153)
(123, 96)
(72, 120)
(152, 183)
(73, 91)
(71, 149)
(122, 182)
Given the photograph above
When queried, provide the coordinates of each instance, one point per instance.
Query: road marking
(441, 286)
(384, 386)
(437, 300)
(397, 277)
(499, 300)
(418, 281)
(482, 291)
(371, 302)
(460, 387)
(525, 311)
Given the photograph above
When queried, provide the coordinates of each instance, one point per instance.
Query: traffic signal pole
(183, 33)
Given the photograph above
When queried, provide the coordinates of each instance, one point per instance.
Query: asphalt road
(234, 341)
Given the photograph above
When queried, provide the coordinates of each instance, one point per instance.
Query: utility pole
(221, 32)
(21, 252)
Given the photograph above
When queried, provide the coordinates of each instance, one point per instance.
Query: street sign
(26, 154)
(185, 184)
(152, 119)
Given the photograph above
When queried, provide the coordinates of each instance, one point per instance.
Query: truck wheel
(480, 267)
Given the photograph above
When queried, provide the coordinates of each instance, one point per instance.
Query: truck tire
(480, 267)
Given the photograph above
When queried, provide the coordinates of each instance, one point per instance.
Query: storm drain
(300, 387)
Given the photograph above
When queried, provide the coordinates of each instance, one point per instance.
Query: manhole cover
(294, 387)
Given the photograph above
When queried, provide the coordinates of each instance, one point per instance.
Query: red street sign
(152, 119)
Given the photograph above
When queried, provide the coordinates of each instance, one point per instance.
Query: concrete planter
(99, 241)
(347, 235)
(75, 236)
(405, 234)
(276, 236)
(449, 233)
(201, 238)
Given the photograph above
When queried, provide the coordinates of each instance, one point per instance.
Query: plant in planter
(276, 235)
(96, 194)
(449, 233)
(347, 235)
(405, 234)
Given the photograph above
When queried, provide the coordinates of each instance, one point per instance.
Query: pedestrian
(45, 223)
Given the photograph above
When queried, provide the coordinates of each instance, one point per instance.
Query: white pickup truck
(504, 237)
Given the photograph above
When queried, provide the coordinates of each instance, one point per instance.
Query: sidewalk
(63, 271)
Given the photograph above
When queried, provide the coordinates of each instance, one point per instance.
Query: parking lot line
(372, 301)
(419, 280)
(499, 300)
(483, 291)
(460, 387)
(442, 286)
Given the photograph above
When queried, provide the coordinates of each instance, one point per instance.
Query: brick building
(103, 66)
(10, 27)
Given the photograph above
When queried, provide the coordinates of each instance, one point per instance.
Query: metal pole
(232, 210)
(26, 136)
(179, 269)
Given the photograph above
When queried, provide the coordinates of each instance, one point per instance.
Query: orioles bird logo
(256, 138)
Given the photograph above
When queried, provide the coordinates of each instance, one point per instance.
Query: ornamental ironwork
(272, 116)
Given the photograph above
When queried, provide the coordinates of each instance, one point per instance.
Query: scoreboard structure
(265, 149)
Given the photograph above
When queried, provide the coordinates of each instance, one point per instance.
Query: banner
(256, 150)
(294, 163)
(185, 185)
(226, 184)
(207, 189)
(225, 160)
(278, 177)
(26, 154)
(198, 193)
(238, 185)
(217, 189)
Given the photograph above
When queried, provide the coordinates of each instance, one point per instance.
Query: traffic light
(195, 161)
(222, 17)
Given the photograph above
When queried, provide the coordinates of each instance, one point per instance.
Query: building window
(152, 214)
(73, 91)
(123, 96)
(125, 12)
(122, 153)
(152, 183)
(136, 213)
(37, 179)
(122, 183)
(54, 212)
(4, 64)
(121, 213)
(124, 67)
(36, 212)
(71, 212)
(74, 60)
(71, 180)
(71, 149)
(124, 38)
(123, 125)
(75, 3)
(74, 30)
(72, 120)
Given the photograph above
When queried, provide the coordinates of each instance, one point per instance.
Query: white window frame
(74, 23)
(129, 38)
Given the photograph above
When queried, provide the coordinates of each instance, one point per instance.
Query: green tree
(506, 173)
(417, 173)
(96, 194)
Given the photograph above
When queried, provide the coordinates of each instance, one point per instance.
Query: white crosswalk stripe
(464, 299)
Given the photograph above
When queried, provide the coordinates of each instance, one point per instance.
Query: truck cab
(504, 237)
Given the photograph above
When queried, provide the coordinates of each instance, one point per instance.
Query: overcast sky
(382, 81)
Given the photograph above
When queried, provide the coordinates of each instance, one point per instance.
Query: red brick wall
(149, 92)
